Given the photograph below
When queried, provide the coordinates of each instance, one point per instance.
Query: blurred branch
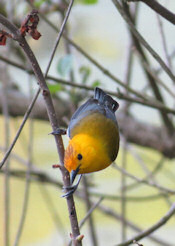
(26, 115)
(136, 132)
(27, 184)
(153, 228)
(91, 59)
(40, 176)
(50, 111)
(131, 225)
(147, 135)
(145, 181)
(90, 218)
(142, 40)
(157, 7)
(164, 42)
(6, 129)
(137, 39)
(146, 101)
(35, 175)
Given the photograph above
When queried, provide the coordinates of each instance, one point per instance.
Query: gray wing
(92, 105)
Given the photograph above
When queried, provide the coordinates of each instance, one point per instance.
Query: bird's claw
(59, 131)
(71, 189)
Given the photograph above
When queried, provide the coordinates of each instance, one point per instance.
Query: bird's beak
(73, 174)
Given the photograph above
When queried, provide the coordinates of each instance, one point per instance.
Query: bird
(94, 137)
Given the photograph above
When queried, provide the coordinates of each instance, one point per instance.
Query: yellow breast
(96, 138)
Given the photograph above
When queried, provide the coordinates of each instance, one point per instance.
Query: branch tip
(56, 166)
(79, 238)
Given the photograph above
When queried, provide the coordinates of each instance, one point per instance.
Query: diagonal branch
(153, 228)
(137, 39)
(51, 113)
(157, 7)
(146, 101)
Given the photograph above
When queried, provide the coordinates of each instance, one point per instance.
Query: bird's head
(79, 155)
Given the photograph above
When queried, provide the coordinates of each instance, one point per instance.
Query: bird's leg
(59, 131)
(71, 189)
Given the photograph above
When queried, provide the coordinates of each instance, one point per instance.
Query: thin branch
(52, 118)
(144, 181)
(43, 177)
(5, 109)
(164, 43)
(27, 184)
(157, 7)
(95, 205)
(136, 132)
(146, 101)
(136, 39)
(20, 129)
(90, 217)
(153, 228)
(53, 210)
(91, 59)
(143, 41)
(131, 225)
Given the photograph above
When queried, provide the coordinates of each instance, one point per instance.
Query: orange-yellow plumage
(94, 136)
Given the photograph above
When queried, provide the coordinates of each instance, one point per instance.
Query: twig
(20, 129)
(53, 210)
(157, 7)
(164, 43)
(146, 101)
(162, 188)
(43, 177)
(5, 107)
(27, 185)
(158, 80)
(143, 41)
(88, 206)
(153, 228)
(91, 59)
(95, 205)
(116, 216)
(136, 39)
(52, 118)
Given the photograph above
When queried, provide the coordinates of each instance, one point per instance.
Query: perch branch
(51, 113)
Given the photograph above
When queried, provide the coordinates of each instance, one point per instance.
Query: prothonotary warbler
(94, 136)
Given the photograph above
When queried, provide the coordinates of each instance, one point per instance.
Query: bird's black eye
(79, 157)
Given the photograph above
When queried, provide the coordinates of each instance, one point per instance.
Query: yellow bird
(94, 137)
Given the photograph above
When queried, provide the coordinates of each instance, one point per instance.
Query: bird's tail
(105, 99)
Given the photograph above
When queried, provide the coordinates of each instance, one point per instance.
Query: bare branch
(157, 7)
(136, 132)
(143, 41)
(52, 115)
(153, 228)
(146, 101)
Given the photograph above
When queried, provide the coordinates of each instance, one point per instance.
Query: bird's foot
(59, 131)
(71, 189)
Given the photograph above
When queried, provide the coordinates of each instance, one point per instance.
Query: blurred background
(96, 49)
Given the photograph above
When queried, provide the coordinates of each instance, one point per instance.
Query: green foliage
(54, 88)
(87, 1)
(38, 3)
(85, 73)
(96, 83)
(65, 64)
